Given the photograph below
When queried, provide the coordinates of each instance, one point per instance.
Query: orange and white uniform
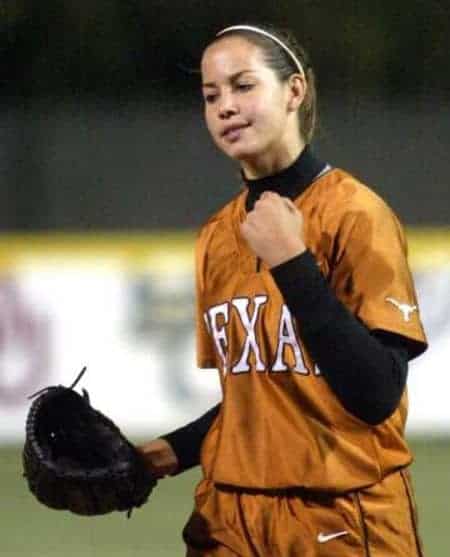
(283, 455)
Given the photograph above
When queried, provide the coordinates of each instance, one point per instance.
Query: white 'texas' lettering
(218, 322)
(287, 337)
(219, 333)
(241, 304)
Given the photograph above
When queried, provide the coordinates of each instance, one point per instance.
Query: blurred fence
(123, 306)
(149, 164)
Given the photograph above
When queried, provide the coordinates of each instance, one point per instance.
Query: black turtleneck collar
(290, 182)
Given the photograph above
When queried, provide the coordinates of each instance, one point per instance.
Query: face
(248, 111)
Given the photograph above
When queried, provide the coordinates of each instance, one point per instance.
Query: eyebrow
(232, 78)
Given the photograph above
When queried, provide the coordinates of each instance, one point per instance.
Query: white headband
(270, 36)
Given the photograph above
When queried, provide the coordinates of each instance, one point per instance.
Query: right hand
(159, 458)
(274, 229)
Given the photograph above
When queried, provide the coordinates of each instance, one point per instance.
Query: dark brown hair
(284, 66)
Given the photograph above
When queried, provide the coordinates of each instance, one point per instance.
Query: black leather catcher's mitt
(76, 458)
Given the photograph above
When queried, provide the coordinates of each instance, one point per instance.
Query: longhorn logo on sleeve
(405, 309)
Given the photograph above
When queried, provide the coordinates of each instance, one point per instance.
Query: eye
(244, 86)
(210, 98)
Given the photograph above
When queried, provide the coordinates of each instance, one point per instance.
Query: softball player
(306, 306)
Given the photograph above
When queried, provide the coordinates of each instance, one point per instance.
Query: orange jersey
(280, 425)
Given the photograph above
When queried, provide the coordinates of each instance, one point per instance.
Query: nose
(227, 106)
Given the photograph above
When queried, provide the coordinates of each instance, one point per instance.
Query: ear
(297, 91)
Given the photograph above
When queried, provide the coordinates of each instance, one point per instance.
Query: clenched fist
(274, 229)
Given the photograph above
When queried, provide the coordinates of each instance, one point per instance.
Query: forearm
(366, 372)
(186, 441)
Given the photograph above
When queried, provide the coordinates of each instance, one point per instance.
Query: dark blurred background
(101, 121)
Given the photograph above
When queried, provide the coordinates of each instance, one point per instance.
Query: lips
(233, 130)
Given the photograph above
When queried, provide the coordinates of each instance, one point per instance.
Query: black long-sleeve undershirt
(187, 440)
(366, 371)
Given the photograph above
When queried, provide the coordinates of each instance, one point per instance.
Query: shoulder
(342, 213)
(220, 223)
(346, 189)
(346, 197)
(354, 216)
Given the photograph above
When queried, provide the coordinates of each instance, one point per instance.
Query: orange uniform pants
(378, 521)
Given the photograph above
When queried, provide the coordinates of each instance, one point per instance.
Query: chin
(242, 153)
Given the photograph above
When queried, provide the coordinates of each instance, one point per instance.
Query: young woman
(307, 308)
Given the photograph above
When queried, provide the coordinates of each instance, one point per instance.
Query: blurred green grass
(30, 530)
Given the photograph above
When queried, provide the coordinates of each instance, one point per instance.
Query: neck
(272, 163)
(290, 182)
